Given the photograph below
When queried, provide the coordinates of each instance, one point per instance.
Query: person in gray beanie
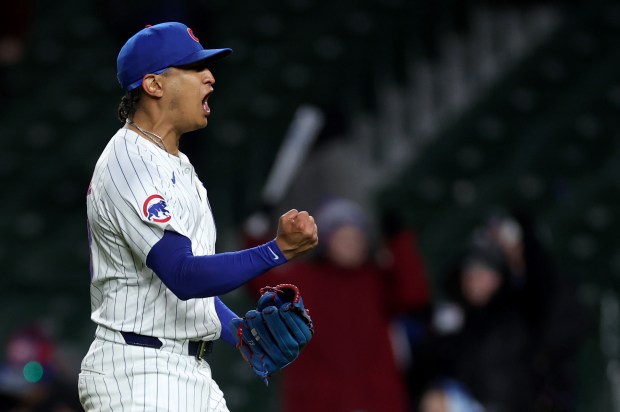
(345, 274)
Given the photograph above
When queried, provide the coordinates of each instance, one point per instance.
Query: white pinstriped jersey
(119, 378)
(138, 191)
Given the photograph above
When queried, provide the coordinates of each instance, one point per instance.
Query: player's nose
(208, 77)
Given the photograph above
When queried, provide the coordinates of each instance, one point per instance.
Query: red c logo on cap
(191, 34)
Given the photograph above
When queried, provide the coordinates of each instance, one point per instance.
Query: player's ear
(151, 84)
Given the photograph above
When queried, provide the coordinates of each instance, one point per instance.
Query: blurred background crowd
(465, 182)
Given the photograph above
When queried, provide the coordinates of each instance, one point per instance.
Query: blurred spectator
(510, 329)
(34, 377)
(491, 352)
(448, 396)
(548, 301)
(15, 19)
(353, 299)
(15, 24)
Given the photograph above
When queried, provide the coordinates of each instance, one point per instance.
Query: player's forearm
(189, 276)
(225, 315)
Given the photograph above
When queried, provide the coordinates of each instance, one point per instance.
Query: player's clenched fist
(297, 233)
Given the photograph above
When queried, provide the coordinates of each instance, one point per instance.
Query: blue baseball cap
(157, 48)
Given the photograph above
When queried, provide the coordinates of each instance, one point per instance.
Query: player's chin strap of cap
(198, 348)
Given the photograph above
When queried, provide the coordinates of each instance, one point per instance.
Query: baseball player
(155, 276)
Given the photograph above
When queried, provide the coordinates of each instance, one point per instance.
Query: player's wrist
(288, 251)
(275, 252)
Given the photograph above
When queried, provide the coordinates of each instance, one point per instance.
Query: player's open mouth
(205, 105)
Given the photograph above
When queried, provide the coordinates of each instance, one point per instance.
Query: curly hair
(129, 104)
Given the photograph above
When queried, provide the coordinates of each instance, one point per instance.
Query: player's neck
(153, 130)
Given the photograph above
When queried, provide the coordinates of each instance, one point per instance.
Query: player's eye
(195, 67)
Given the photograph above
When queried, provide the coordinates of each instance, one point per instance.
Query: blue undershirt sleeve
(225, 315)
(189, 276)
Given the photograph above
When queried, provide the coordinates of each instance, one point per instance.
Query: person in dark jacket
(548, 300)
(510, 328)
(493, 348)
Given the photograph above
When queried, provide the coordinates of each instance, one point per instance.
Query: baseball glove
(273, 335)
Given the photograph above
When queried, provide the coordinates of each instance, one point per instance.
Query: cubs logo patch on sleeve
(155, 209)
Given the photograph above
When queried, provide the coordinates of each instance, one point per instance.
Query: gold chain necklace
(149, 135)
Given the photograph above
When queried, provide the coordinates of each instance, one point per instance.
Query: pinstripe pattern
(127, 296)
(118, 377)
(129, 171)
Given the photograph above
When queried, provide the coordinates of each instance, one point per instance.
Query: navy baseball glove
(273, 335)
